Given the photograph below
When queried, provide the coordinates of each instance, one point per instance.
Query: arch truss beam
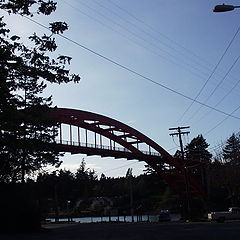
(118, 133)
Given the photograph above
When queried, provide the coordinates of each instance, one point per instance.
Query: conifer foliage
(231, 151)
(25, 131)
(197, 150)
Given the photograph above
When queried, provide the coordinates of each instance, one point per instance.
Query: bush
(19, 209)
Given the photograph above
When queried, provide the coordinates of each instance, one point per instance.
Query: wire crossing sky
(176, 46)
(134, 72)
(216, 88)
(213, 71)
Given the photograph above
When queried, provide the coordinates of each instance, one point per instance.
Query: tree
(129, 178)
(26, 133)
(231, 151)
(197, 150)
(84, 173)
(230, 170)
(85, 179)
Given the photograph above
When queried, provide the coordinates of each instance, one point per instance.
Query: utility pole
(129, 177)
(178, 132)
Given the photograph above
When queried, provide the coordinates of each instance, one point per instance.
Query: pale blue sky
(176, 43)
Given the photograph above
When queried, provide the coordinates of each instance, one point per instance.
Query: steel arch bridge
(124, 142)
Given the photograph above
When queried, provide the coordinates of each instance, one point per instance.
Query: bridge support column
(101, 140)
(110, 144)
(60, 131)
(70, 129)
(95, 136)
(86, 138)
(79, 136)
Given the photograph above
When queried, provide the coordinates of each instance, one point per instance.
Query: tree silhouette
(26, 134)
(197, 150)
(25, 130)
(231, 151)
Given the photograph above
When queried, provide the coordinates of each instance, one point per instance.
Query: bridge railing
(90, 145)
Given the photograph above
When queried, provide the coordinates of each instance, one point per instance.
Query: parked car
(231, 214)
(164, 216)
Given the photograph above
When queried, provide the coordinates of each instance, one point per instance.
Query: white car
(231, 214)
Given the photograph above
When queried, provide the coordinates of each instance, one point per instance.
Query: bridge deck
(105, 151)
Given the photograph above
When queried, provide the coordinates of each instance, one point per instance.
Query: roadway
(135, 231)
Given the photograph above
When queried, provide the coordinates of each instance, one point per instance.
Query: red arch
(171, 169)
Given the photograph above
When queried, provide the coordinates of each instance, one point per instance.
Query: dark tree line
(218, 172)
(225, 173)
(25, 131)
(219, 176)
(84, 194)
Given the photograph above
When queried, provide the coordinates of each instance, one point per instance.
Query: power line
(155, 30)
(172, 148)
(221, 100)
(216, 146)
(123, 35)
(160, 33)
(132, 71)
(221, 122)
(214, 68)
(210, 76)
(217, 86)
(113, 169)
(221, 145)
(185, 66)
(147, 33)
(177, 146)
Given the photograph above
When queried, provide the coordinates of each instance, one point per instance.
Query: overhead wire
(222, 121)
(132, 71)
(155, 30)
(171, 60)
(149, 79)
(185, 139)
(216, 146)
(210, 76)
(183, 66)
(97, 20)
(216, 87)
(174, 141)
(212, 71)
(187, 52)
(146, 33)
(170, 149)
(146, 78)
(221, 100)
(113, 169)
(128, 38)
(219, 84)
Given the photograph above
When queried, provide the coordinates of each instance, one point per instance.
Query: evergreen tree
(231, 151)
(229, 171)
(197, 150)
(25, 130)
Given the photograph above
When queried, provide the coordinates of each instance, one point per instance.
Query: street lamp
(224, 8)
